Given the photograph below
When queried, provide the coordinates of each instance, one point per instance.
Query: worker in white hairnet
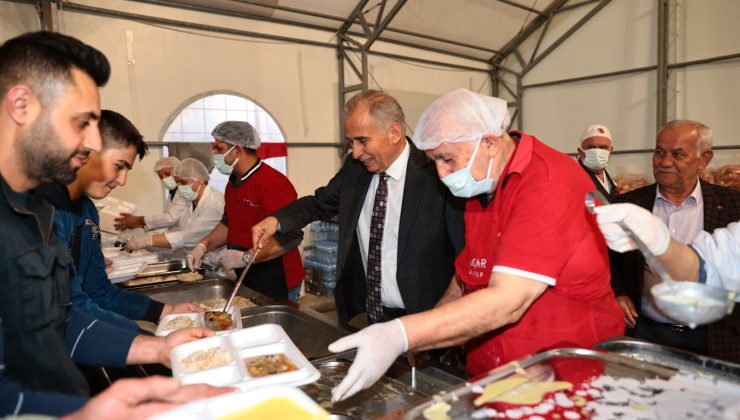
(534, 273)
(203, 212)
(713, 259)
(255, 190)
(174, 206)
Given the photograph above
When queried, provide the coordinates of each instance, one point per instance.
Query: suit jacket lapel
(358, 199)
(411, 196)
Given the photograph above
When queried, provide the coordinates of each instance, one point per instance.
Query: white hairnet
(237, 132)
(193, 169)
(461, 115)
(168, 162)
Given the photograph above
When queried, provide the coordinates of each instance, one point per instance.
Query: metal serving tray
(198, 291)
(311, 335)
(670, 357)
(605, 385)
(163, 267)
(390, 397)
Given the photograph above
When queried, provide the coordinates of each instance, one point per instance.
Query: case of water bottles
(320, 262)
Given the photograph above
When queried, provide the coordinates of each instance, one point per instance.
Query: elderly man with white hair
(203, 212)
(688, 206)
(534, 273)
(174, 206)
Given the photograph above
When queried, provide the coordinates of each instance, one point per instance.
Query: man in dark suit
(593, 156)
(687, 206)
(408, 269)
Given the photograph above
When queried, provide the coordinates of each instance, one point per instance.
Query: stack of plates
(109, 209)
(127, 265)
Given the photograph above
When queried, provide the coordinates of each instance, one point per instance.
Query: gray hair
(704, 132)
(384, 108)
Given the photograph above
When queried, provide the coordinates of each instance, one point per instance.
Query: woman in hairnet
(174, 206)
(534, 273)
(203, 212)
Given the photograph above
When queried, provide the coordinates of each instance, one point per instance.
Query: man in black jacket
(423, 225)
(593, 156)
(687, 206)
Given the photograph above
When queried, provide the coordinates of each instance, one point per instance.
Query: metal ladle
(688, 302)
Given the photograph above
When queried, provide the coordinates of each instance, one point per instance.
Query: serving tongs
(688, 302)
(248, 259)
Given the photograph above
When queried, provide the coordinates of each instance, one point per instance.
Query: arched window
(197, 119)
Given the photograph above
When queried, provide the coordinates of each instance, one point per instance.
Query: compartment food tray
(238, 405)
(263, 340)
(197, 320)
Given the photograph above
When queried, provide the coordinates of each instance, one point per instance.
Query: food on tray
(178, 322)
(438, 411)
(277, 408)
(205, 359)
(219, 303)
(519, 391)
(218, 321)
(269, 365)
(194, 276)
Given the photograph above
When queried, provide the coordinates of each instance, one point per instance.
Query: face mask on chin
(596, 159)
(461, 182)
(221, 165)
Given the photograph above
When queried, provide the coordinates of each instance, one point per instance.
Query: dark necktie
(374, 253)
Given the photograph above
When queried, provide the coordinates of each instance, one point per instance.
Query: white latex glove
(231, 259)
(195, 256)
(378, 346)
(138, 242)
(647, 227)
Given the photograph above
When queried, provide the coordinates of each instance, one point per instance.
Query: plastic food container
(197, 321)
(275, 402)
(239, 347)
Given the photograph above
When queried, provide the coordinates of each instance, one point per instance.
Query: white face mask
(169, 183)
(461, 182)
(596, 159)
(186, 192)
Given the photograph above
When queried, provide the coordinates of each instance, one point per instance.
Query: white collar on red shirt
(251, 171)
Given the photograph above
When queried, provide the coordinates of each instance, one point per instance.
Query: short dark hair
(40, 58)
(117, 131)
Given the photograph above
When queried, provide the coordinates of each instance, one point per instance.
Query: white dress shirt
(684, 222)
(196, 224)
(390, 295)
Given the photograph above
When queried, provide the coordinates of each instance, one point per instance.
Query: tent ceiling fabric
(475, 28)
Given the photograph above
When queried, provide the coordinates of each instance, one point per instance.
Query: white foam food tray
(197, 321)
(242, 404)
(262, 340)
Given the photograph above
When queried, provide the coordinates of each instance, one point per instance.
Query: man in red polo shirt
(534, 273)
(255, 190)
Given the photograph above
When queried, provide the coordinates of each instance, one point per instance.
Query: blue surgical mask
(461, 182)
(186, 192)
(169, 183)
(221, 166)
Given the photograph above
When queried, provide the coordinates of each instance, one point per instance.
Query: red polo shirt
(264, 191)
(537, 227)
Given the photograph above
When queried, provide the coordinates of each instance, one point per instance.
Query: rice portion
(205, 359)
